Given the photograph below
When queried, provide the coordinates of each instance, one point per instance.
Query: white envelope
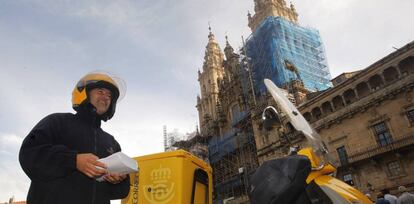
(119, 163)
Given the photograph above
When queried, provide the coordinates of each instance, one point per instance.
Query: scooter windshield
(295, 117)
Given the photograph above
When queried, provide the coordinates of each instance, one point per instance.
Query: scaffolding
(276, 45)
(232, 140)
(164, 132)
(195, 144)
(233, 158)
(233, 153)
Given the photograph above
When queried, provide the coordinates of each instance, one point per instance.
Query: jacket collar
(88, 113)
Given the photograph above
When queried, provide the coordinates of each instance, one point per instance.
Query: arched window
(407, 66)
(316, 112)
(349, 96)
(362, 89)
(307, 116)
(338, 103)
(327, 108)
(390, 74)
(375, 82)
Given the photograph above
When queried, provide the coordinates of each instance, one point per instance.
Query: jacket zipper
(95, 153)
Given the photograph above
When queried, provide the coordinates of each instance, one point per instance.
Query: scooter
(305, 176)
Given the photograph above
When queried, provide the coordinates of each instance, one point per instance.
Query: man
(381, 200)
(405, 197)
(387, 196)
(60, 153)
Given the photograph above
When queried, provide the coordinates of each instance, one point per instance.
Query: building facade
(367, 122)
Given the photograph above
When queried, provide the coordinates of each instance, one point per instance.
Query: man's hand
(88, 163)
(115, 178)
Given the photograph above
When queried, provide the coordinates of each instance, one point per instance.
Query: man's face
(100, 98)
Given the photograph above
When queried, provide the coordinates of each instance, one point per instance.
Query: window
(410, 115)
(348, 179)
(394, 168)
(382, 133)
(343, 157)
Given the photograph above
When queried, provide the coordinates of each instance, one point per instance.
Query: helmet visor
(98, 76)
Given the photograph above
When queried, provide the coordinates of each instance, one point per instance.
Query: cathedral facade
(224, 117)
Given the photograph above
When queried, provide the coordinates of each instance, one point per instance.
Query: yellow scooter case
(171, 178)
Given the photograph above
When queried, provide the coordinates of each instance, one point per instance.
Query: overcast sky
(157, 48)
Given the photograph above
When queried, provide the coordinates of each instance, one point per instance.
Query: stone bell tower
(208, 78)
(265, 8)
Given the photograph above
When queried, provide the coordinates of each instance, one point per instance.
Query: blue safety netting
(277, 43)
(234, 138)
(237, 117)
(229, 142)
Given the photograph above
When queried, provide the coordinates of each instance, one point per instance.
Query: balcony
(373, 151)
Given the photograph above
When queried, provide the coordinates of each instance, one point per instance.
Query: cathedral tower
(279, 43)
(275, 8)
(208, 78)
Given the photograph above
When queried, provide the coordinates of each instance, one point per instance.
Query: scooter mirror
(270, 118)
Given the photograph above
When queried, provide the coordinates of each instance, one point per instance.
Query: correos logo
(161, 190)
(135, 189)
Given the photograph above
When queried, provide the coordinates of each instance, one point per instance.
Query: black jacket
(48, 157)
